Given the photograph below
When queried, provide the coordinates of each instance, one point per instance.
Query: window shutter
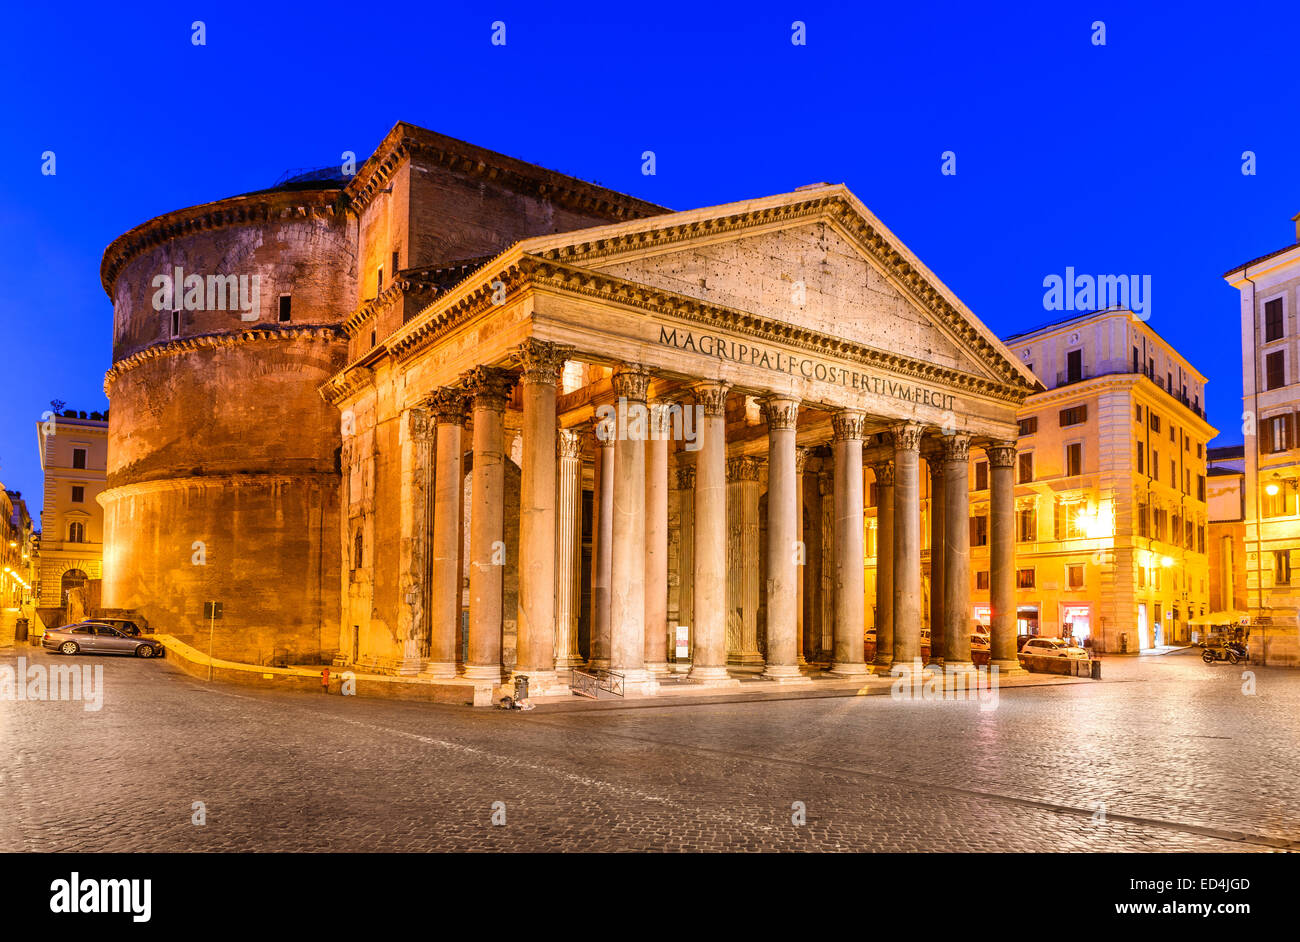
(974, 531)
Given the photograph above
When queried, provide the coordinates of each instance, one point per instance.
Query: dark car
(90, 637)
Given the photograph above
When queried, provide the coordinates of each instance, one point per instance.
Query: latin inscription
(711, 345)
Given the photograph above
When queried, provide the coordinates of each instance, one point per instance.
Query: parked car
(979, 638)
(1052, 647)
(89, 637)
(127, 626)
(1021, 640)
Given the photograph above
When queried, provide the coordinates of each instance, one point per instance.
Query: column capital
(907, 436)
(542, 361)
(801, 459)
(447, 404)
(884, 471)
(568, 443)
(1001, 454)
(489, 387)
(848, 425)
(686, 478)
(712, 396)
(661, 419)
(743, 468)
(780, 412)
(935, 466)
(631, 382)
(602, 432)
(956, 447)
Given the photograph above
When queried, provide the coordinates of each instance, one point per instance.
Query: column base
(658, 668)
(712, 677)
(681, 667)
(959, 667)
(784, 674)
(411, 665)
(490, 672)
(568, 663)
(1008, 667)
(639, 680)
(881, 665)
(849, 669)
(745, 659)
(440, 670)
(598, 664)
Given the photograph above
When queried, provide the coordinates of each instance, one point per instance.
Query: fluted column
(850, 562)
(568, 577)
(656, 540)
(489, 389)
(602, 539)
(957, 614)
(783, 537)
(627, 556)
(884, 471)
(448, 407)
(826, 523)
(541, 363)
(800, 461)
(743, 473)
(709, 637)
(686, 552)
(907, 545)
(415, 439)
(935, 463)
(1002, 556)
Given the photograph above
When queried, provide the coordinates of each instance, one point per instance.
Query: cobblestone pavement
(1178, 755)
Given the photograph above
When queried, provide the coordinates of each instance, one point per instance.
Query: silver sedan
(92, 638)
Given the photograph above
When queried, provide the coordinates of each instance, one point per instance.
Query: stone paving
(1178, 755)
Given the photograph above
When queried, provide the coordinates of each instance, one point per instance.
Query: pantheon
(490, 419)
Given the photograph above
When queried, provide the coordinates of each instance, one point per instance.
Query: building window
(1025, 467)
(1137, 368)
(1142, 519)
(1029, 426)
(1074, 459)
(1155, 421)
(78, 494)
(379, 280)
(1074, 366)
(78, 457)
(1024, 578)
(1141, 458)
(1142, 577)
(1281, 567)
(76, 532)
(395, 256)
(176, 323)
(1074, 575)
(1067, 525)
(1137, 411)
(982, 579)
(1275, 505)
(1155, 465)
(1076, 415)
(286, 309)
(1275, 370)
(358, 543)
(1273, 320)
(979, 530)
(1027, 524)
(981, 475)
(1277, 433)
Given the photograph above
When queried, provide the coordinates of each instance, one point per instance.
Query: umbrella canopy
(1220, 618)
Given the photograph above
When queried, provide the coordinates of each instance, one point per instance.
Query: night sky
(1116, 159)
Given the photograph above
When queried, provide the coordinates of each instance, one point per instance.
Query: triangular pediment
(816, 259)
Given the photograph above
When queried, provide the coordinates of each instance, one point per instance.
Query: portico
(650, 403)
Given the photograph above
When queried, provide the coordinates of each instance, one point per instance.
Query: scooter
(1234, 652)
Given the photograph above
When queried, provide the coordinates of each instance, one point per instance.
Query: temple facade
(643, 446)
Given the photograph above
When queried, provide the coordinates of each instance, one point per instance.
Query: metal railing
(589, 683)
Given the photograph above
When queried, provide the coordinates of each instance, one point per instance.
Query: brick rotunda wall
(222, 480)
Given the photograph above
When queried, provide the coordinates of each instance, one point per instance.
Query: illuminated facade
(1111, 512)
(74, 454)
(1270, 526)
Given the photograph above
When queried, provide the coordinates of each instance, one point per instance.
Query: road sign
(211, 610)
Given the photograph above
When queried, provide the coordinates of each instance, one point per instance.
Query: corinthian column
(884, 471)
(541, 363)
(907, 545)
(627, 558)
(850, 561)
(489, 389)
(934, 461)
(602, 540)
(415, 441)
(783, 549)
(686, 553)
(742, 560)
(448, 407)
(709, 650)
(1002, 556)
(568, 580)
(656, 540)
(801, 568)
(957, 614)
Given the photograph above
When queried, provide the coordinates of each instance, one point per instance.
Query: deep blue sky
(1117, 159)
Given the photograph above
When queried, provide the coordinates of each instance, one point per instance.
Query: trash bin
(521, 687)
(20, 631)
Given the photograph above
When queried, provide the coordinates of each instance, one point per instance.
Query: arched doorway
(72, 579)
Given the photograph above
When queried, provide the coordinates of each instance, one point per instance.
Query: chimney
(1296, 219)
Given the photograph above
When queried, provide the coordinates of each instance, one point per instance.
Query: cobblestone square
(1165, 744)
